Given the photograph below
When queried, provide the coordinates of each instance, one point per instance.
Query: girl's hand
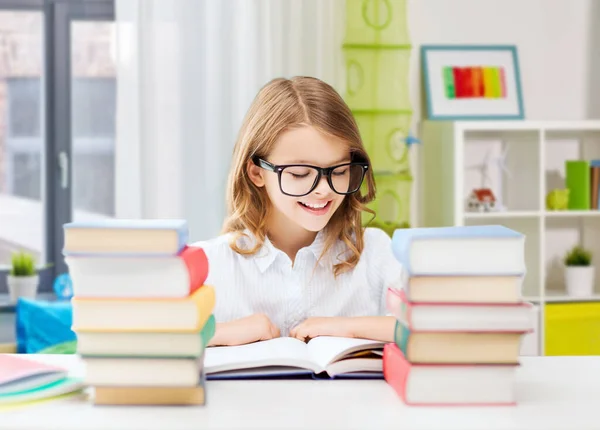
(250, 329)
(323, 326)
(379, 328)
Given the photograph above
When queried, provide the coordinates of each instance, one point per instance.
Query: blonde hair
(281, 105)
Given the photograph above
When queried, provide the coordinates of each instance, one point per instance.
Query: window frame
(56, 133)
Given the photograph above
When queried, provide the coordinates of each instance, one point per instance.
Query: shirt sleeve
(384, 270)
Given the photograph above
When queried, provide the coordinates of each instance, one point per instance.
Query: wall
(553, 38)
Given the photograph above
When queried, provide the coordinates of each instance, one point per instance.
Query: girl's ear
(255, 174)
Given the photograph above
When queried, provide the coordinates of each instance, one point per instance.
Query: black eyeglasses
(299, 180)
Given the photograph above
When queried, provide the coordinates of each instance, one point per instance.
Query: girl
(294, 259)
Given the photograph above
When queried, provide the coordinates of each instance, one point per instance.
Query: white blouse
(268, 283)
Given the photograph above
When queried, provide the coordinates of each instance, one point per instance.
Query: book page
(282, 351)
(326, 350)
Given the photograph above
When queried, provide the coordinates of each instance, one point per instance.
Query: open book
(321, 357)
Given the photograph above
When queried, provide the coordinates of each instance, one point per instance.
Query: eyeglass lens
(299, 180)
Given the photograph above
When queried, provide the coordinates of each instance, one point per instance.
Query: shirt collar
(268, 253)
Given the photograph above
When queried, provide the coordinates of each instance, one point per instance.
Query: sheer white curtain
(187, 72)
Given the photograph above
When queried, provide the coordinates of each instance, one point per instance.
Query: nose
(322, 188)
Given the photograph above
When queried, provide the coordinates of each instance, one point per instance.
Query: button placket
(295, 296)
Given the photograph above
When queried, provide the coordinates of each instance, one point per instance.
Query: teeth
(315, 206)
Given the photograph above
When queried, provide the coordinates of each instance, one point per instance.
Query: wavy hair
(281, 105)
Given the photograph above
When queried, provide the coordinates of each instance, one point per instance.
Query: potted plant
(579, 272)
(23, 278)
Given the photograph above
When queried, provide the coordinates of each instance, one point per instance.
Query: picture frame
(472, 82)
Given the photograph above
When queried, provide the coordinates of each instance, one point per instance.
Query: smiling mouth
(316, 208)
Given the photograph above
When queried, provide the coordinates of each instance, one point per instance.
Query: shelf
(502, 215)
(521, 162)
(530, 214)
(577, 126)
(560, 296)
(566, 214)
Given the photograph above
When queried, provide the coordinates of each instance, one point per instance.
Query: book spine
(578, 182)
(399, 306)
(595, 179)
(183, 236)
(196, 263)
(396, 369)
(401, 336)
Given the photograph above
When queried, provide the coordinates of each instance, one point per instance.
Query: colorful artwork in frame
(472, 82)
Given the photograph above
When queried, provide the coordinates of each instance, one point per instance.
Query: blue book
(489, 250)
(125, 237)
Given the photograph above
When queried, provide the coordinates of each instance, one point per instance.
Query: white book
(326, 356)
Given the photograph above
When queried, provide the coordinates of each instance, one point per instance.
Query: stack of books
(141, 312)
(460, 318)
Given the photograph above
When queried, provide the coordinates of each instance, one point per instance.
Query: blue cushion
(42, 324)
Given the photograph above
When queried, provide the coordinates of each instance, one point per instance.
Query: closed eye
(297, 176)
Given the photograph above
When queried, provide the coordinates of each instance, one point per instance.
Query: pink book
(18, 374)
(463, 317)
(448, 384)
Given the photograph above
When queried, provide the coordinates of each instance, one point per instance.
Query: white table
(553, 393)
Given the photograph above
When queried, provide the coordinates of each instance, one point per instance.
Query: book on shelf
(577, 180)
(325, 357)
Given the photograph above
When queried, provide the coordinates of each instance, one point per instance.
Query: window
(71, 112)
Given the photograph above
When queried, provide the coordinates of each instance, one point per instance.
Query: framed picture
(472, 82)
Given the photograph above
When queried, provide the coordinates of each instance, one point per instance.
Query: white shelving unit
(452, 154)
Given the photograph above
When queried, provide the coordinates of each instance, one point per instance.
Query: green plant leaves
(578, 256)
(23, 264)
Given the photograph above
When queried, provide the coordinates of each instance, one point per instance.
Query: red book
(118, 277)
(448, 384)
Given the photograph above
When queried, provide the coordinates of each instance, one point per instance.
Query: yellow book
(188, 314)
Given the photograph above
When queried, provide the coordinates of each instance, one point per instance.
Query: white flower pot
(22, 286)
(579, 281)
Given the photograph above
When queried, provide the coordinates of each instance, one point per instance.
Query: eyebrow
(346, 159)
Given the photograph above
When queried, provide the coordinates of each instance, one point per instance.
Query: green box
(384, 135)
(380, 22)
(392, 200)
(377, 79)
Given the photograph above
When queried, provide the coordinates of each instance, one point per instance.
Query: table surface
(553, 393)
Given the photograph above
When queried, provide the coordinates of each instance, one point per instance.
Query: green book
(578, 182)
